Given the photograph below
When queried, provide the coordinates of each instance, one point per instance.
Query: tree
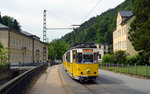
(57, 48)
(99, 28)
(120, 56)
(139, 33)
(107, 59)
(3, 54)
(11, 22)
(16, 25)
(99, 38)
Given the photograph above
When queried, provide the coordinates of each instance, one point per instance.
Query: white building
(102, 50)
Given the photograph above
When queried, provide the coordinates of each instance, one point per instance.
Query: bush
(107, 58)
(137, 59)
(120, 56)
(132, 60)
(4, 66)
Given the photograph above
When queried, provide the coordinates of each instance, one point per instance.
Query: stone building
(23, 46)
(120, 33)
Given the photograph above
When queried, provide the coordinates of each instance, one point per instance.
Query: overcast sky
(61, 13)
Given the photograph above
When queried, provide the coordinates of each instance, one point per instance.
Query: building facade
(120, 33)
(102, 50)
(23, 46)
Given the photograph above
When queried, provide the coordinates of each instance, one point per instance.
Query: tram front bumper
(85, 77)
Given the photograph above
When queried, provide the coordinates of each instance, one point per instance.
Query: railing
(19, 84)
(141, 70)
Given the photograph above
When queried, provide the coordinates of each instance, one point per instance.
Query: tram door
(74, 62)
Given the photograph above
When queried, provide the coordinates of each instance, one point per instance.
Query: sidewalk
(49, 83)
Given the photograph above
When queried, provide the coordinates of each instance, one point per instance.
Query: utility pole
(74, 31)
(0, 18)
(44, 35)
(44, 26)
(85, 34)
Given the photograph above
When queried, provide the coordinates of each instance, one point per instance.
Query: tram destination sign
(87, 50)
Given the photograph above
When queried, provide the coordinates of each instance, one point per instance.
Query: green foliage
(120, 56)
(139, 34)
(3, 57)
(107, 59)
(98, 29)
(10, 22)
(4, 66)
(57, 48)
(133, 59)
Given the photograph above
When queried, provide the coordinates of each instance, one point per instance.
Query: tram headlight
(88, 71)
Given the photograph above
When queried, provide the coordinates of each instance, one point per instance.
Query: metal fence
(141, 70)
(19, 84)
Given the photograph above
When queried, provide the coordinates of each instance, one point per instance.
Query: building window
(14, 40)
(122, 31)
(125, 44)
(100, 46)
(122, 44)
(104, 46)
(99, 56)
(20, 42)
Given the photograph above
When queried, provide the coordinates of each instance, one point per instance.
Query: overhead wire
(91, 11)
(59, 18)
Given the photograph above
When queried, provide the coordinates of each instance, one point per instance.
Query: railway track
(96, 88)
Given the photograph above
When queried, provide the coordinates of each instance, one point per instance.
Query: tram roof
(83, 45)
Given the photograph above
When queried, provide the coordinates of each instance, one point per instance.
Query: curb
(65, 84)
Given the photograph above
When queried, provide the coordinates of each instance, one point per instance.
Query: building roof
(26, 33)
(83, 45)
(21, 32)
(123, 22)
(126, 13)
(3, 26)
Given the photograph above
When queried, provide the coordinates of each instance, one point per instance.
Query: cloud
(30, 13)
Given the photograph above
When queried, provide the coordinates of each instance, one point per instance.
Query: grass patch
(138, 70)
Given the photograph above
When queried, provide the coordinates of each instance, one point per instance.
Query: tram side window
(74, 57)
(95, 57)
(64, 58)
(79, 57)
(68, 57)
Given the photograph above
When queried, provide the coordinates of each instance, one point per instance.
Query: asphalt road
(108, 83)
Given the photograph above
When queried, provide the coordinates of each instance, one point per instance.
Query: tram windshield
(87, 58)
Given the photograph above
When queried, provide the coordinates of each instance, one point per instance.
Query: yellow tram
(80, 61)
